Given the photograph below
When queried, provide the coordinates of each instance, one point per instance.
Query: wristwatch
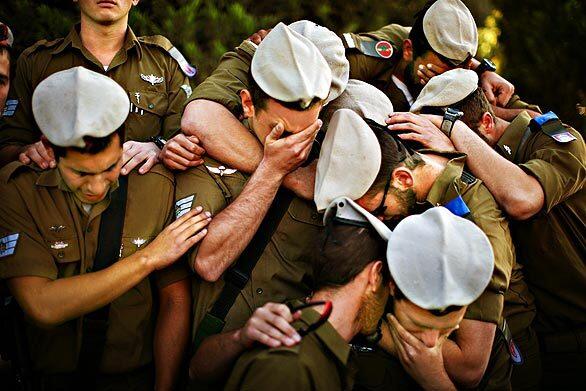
(450, 117)
(485, 65)
(159, 141)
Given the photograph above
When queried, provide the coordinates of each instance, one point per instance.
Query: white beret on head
(451, 30)
(348, 211)
(364, 99)
(349, 160)
(332, 49)
(77, 102)
(289, 67)
(438, 259)
(446, 89)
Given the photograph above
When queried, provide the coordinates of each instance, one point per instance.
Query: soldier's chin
(91, 198)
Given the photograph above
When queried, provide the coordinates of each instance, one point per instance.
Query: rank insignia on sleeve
(8, 245)
(152, 79)
(10, 108)
(187, 89)
(183, 205)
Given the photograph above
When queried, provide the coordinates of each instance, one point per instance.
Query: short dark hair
(473, 106)
(417, 35)
(260, 98)
(391, 158)
(93, 145)
(7, 50)
(341, 251)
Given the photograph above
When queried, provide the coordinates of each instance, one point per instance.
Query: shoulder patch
(166, 45)
(550, 124)
(9, 108)
(42, 44)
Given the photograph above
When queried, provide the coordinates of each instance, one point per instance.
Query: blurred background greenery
(539, 45)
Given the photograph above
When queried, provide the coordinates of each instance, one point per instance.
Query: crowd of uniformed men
(368, 211)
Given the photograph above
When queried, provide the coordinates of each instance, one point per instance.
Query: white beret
(446, 89)
(77, 102)
(438, 259)
(289, 67)
(364, 99)
(332, 49)
(349, 160)
(451, 30)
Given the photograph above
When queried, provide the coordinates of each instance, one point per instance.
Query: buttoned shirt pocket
(147, 112)
(67, 255)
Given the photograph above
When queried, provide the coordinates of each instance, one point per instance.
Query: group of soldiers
(367, 211)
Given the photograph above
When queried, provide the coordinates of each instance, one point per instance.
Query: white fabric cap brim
(346, 209)
(439, 260)
(289, 67)
(451, 30)
(75, 103)
(349, 159)
(446, 89)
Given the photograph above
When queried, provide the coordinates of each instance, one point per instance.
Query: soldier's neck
(500, 126)
(344, 314)
(103, 41)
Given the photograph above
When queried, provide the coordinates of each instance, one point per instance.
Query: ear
(375, 276)
(487, 127)
(135, 2)
(247, 106)
(407, 50)
(402, 178)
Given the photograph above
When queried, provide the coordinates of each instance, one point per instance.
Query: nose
(430, 338)
(97, 185)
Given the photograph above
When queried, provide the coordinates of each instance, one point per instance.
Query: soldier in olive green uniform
(151, 70)
(539, 181)
(51, 226)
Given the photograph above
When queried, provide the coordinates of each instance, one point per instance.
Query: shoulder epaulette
(166, 45)
(10, 170)
(550, 124)
(42, 44)
(369, 45)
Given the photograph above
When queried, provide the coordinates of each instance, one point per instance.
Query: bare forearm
(222, 135)
(171, 338)
(233, 228)
(518, 193)
(53, 302)
(215, 357)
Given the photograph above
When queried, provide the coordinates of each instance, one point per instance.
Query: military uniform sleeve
(18, 127)
(364, 67)
(489, 218)
(559, 168)
(231, 76)
(516, 103)
(196, 187)
(271, 370)
(28, 255)
(179, 88)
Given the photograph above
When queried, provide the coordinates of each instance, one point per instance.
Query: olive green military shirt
(281, 274)
(156, 86)
(232, 74)
(489, 218)
(319, 362)
(552, 244)
(52, 237)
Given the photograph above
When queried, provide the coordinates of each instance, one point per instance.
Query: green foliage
(532, 40)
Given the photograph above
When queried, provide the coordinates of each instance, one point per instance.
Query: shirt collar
(444, 187)
(510, 141)
(328, 335)
(73, 39)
